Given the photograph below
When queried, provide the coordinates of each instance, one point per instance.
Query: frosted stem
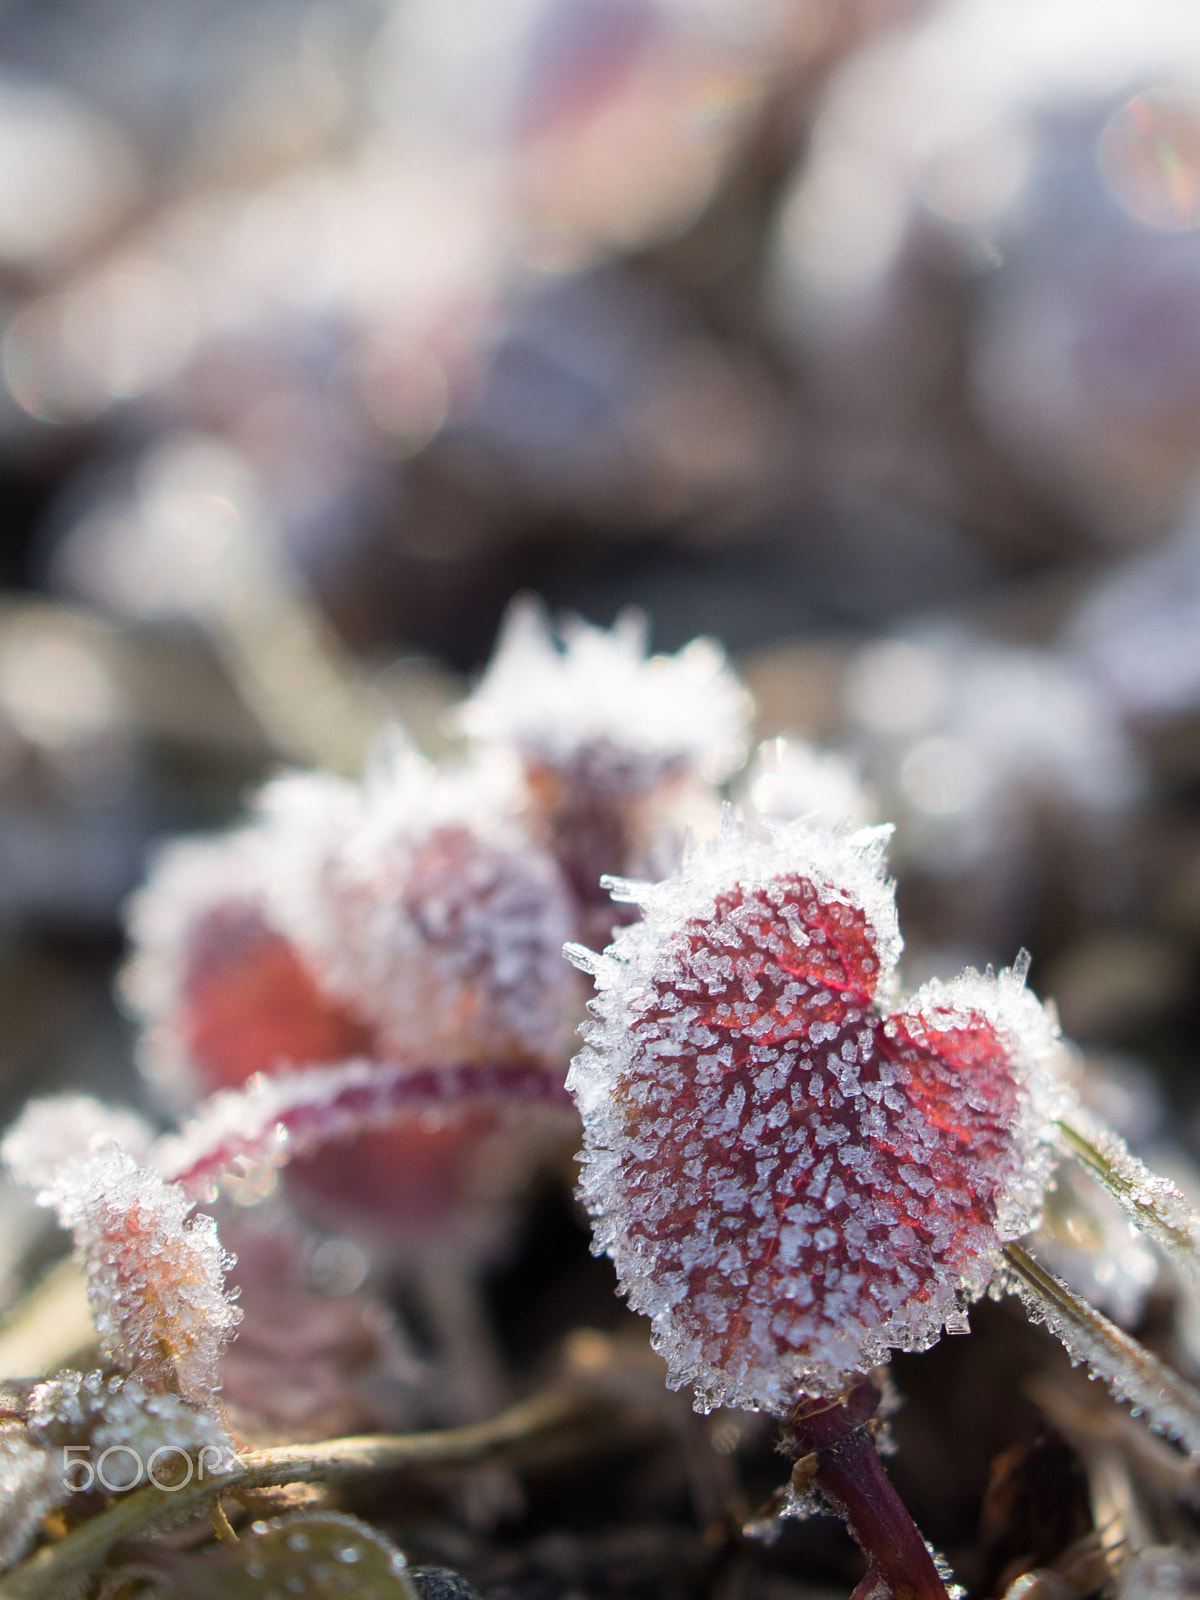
(850, 1476)
(1153, 1204)
(1168, 1403)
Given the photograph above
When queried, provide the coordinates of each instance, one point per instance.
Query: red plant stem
(851, 1478)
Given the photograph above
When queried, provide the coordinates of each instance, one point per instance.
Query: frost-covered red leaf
(434, 918)
(792, 1178)
(407, 926)
(94, 1432)
(278, 1119)
(221, 989)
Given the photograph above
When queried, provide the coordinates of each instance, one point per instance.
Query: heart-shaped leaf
(791, 1177)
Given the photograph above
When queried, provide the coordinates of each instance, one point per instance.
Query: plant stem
(851, 1478)
(1170, 1404)
(85, 1549)
(1153, 1204)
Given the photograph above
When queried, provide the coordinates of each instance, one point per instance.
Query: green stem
(86, 1548)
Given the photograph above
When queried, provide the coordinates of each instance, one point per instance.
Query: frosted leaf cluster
(155, 1279)
(599, 688)
(792, 1176)
(408, 918)
(409, 928)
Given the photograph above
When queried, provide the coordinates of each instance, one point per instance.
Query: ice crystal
(791, 1176)
(155, 1280)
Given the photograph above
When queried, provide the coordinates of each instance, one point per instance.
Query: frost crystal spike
(792, 1177)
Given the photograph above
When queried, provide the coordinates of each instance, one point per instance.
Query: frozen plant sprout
(796, 1174)
(155, 1285)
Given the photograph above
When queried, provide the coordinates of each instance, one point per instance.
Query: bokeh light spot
(1149, 155)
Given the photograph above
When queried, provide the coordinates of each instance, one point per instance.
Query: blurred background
(863, 335)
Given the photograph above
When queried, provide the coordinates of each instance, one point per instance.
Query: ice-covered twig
(278, 1118)
(1155, 1205)
(1168, 1403)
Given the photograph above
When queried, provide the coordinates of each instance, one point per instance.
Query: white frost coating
(790, 1183)
(790, 780)
(1030, 1033)
(147, 1433)
(1169, 1405)
(155, 1280)
(433, 915)
(52, 1130)
(850, 867)
(600, 688)
(31, 1485)
(1156, 1206)
(249, 1119)
(305, 820)
(108, 1410)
